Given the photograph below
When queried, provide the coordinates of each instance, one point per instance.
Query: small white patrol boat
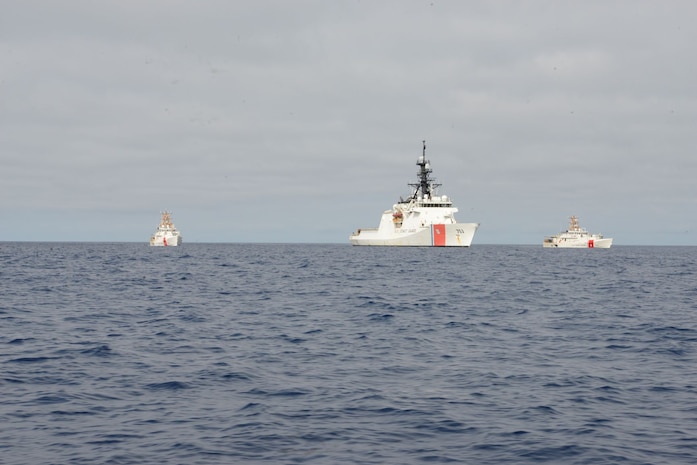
(166, 234)
(423, 220)
(578, 238)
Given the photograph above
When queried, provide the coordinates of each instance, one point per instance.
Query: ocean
(119, 353)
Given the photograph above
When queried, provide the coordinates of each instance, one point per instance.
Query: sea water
(330, 354)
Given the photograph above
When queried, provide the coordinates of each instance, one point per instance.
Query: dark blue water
(332, 354)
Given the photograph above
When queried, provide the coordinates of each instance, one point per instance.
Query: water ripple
(314, 354)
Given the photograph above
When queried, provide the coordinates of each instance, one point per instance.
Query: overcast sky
(301, 121)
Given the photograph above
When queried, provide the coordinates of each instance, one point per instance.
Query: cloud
(301, 121)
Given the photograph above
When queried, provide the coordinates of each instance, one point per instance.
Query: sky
(301, 121)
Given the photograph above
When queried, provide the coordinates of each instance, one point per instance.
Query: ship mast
(426, 184)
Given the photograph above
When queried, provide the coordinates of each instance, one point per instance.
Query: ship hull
(604, 243)
(434, 235)
(165, 240)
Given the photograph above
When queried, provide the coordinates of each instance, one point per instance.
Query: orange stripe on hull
(438, 235)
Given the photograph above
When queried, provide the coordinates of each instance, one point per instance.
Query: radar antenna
(426, 185)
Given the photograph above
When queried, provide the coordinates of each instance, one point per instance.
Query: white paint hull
(434, 235)
(579, 243)
(166, 240)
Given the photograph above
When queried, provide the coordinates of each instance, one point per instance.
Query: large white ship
(166, 234)
(578, 238)
(425, 219)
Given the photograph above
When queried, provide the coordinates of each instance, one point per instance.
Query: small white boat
(578, 238)
(423, 220)
(166, 235)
